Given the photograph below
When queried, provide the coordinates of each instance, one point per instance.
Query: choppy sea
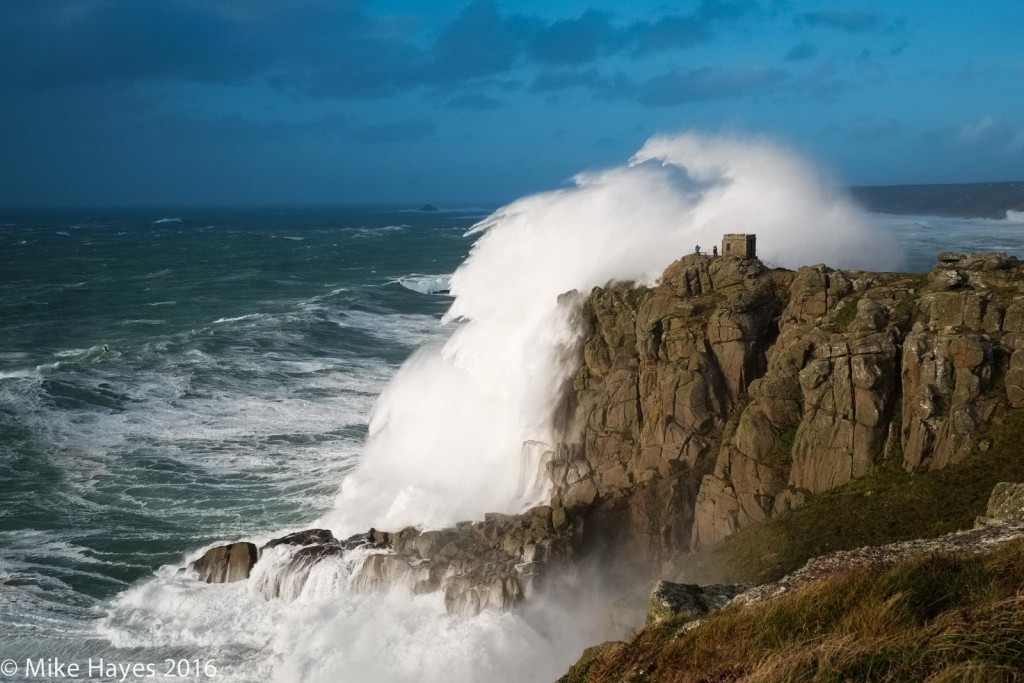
(169, 379)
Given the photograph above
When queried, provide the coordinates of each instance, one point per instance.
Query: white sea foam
(37, 371)
(465, 424)
(426, 284)
(405, 329)
(325, 631)
(1015, 216)
(447, 437)
(166, 220)
(248, 316)
(364, 231)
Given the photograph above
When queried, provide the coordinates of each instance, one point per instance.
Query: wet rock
(307, 537)
(226, 564)
(722, 396)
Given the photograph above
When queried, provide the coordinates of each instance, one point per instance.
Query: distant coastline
(960, 200)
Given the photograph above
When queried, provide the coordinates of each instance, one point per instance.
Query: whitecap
(425, 284)
(141, 321)
(166, 220)
(37, 371)
(249, 316)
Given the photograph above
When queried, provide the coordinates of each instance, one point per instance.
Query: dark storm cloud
(574, 41)
(858, 20)
(675, 87)
(399, 131)
(549, 81)
(46, 44)
(474, 101)
(675, 31)
(74, 42)
(682, 86)
(480, 42)
(801, 52)
(313, 47)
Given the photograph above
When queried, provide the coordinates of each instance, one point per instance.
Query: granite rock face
(226, 564)
(669, 600)
(729, 392)
(1005, 505)
(722, 396)
(663, 369)
(493, 564)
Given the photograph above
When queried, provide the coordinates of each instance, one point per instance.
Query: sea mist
(447, 437)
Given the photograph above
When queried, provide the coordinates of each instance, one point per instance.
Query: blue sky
(127, 102)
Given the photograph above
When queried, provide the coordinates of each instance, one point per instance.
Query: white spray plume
(447, 438)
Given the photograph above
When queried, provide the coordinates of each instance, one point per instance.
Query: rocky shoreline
(727, 394)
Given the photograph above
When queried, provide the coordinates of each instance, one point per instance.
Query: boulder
(307, 537)
(690, 601)
(1005, 505)
(226, 563)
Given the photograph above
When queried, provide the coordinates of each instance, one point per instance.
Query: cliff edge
(729, 401)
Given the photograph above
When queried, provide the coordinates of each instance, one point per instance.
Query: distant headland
(962, 200)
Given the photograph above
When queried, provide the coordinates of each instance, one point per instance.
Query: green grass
(935, 618)
(886, 505)
(781, 456)
(904, 311)
(842, 318)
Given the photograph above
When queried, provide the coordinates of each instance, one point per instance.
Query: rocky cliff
(726, 395)
(730, 392)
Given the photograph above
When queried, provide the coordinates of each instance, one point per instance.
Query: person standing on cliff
(714, 250)
(696, 250)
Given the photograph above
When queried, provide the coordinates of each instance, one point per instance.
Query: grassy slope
(937, 618)
(888, 504)
(949, 619)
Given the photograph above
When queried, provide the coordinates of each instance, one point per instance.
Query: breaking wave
(464, 426)
(446, 441)
(426, 284)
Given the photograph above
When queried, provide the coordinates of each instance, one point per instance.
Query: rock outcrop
(731, 392)
(1005, 505)
(669, 600)
(226, 564)
(726, 394)
(663, 370)
(493, 564)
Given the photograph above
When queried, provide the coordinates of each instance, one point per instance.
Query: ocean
(168, 379)
(175, 379)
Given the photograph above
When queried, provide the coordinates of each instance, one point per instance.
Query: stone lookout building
(737, 244)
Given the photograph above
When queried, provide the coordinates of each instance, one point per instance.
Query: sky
(238, 102)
